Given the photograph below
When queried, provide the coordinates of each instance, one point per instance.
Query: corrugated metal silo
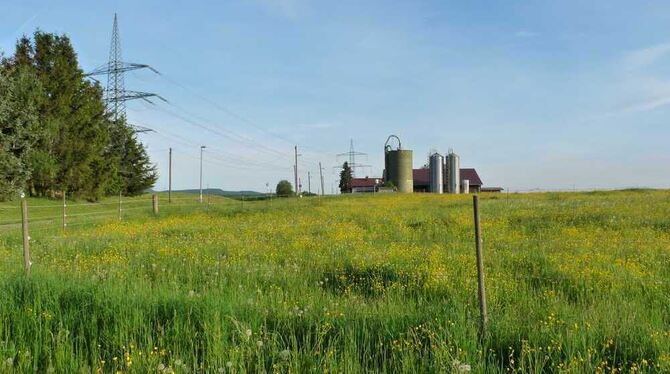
(436, 163)
(454, 173)
(466, 186)
(398, 167)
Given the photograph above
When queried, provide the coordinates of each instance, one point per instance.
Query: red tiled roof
(471, 175)
(365, 182)
(422, 176)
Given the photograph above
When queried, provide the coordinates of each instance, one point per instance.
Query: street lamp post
(202, 148)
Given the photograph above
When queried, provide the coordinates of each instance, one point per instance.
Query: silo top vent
(387, 147)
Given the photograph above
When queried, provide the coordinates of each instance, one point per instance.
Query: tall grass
(576, 282)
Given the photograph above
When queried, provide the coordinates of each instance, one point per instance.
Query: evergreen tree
(18, 131)
(70, 144)
(346, 177)
(138, 174)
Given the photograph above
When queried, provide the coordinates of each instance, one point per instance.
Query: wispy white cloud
(637, 107)
(647, 105)
(643, 57)
(10, 39)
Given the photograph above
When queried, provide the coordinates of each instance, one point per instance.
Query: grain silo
(398, 166)
(453, 173)
(466, 186)
(436, 164)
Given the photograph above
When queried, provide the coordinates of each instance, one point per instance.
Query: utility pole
(202, 148)
(309, 183)
(170, 177)
(323, 192)
(295, 171)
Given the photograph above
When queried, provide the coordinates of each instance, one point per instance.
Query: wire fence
(60, 216)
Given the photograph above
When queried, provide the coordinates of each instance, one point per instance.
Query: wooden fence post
(480, 270)
(64, 213)
(154, 203)
(26, 238)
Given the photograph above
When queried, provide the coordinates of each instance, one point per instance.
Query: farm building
(422, 182)
(422, 179)
(365, 184)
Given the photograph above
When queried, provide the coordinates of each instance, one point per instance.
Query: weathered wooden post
(64, 213)
(480, 270)
(154, 203)
(26, 237)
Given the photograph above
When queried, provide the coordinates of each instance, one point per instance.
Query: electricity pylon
(116, 94)
(352, 159)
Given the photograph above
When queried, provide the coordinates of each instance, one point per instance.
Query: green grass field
(576, 282)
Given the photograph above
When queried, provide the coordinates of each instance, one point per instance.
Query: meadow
(576, 282)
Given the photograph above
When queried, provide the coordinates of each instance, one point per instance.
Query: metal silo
(398, 166)
(466, 186)
(454, 173)
(436, 163)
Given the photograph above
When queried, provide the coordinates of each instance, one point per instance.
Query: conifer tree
(75, 146)
(346, 177)
(18, 123)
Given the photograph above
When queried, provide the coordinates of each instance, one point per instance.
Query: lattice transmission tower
(351, 155)
(116, 94)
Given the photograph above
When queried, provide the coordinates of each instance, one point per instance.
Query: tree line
(55, 132)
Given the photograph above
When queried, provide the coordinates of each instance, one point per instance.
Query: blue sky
(537, 94)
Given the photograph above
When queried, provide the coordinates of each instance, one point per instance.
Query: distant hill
(220, 192)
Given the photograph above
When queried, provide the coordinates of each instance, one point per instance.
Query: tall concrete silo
(398, 165)
(453, 173)
(436, 164)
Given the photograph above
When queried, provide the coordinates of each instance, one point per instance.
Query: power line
(230, 135)
(237, 116)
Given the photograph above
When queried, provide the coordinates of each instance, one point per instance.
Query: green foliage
(71, 144)
(284, 188)
(18, 130)
(346, 177)
(135, 174)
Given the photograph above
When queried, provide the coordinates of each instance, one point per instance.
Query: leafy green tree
(346, 177)
(284, 188)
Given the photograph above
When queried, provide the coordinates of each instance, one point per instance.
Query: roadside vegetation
(576, 282)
